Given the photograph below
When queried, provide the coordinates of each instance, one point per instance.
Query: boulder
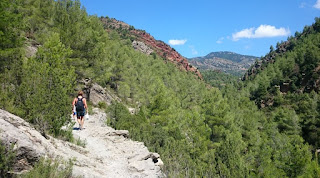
(140, 46)
(132, 110)
(96, 93)
(31, 51)
(123, 133)
(99, 94)
(29, 145)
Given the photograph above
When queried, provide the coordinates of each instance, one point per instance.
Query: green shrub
(66, 135)
(48, 168)
(81, 143)
(90, 107)
(102, 105)
(7, 156)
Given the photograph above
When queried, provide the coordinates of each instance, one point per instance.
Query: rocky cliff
(107, 152)
(142, 39)
(269, 58)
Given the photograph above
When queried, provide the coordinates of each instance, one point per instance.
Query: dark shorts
(81, 113)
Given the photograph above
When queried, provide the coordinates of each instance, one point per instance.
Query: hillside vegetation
(218, 79)
(286, 84)
(47, 45)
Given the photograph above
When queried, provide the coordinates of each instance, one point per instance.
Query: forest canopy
(245, 129)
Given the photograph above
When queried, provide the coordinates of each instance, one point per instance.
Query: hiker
(81, 107)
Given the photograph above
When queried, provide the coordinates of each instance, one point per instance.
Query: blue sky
(196, 28)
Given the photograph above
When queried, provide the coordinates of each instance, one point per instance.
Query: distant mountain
(225, 61)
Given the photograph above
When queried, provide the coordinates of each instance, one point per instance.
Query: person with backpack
(80, 103)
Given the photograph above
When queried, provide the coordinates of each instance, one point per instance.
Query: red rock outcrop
(160, 47)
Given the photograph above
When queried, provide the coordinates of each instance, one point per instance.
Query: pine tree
(47, 84)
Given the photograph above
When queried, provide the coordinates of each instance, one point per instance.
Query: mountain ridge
(233, 56)
(226, 61)
(159, 47)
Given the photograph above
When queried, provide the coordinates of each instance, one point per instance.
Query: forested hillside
(47, 46)
(218, 79)
(286, 84)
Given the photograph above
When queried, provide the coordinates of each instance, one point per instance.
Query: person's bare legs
(75, 117)
(81, 122)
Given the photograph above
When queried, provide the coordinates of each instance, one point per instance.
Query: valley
(221, 115)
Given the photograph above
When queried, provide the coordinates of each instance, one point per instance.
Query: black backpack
(79, 105)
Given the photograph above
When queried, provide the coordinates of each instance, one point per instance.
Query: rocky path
(107, 152)
(113, 154)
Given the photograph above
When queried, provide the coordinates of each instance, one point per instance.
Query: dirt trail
(110, 154)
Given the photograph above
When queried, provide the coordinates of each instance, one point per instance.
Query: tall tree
(47, 85)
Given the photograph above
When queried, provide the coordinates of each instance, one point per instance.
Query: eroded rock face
(31, 51)
(159, 47)
(29, 145)
(96, 93)
(107, 152)
(140, 46)
(165, 51)
(99, 94)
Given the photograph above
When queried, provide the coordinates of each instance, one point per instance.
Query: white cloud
(270, 31)
(246, 33)
(303, 5)
(177, 42)
(220, 40)
(193, 50)
(317, 5)
(263, 31)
